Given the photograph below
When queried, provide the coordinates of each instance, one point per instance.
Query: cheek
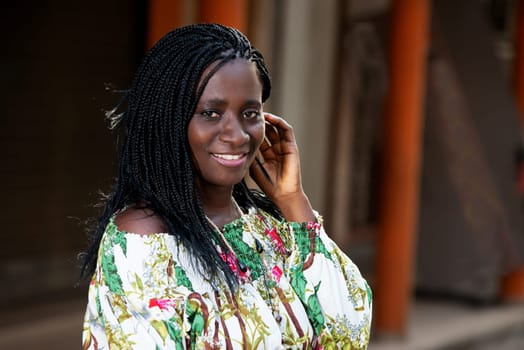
(191, 130)
(257, 134)
(195, 136)
(194, 139)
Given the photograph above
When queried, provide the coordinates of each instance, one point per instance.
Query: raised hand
(278, 174)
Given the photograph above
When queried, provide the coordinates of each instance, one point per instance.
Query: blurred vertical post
(402, 146)
(519, 58)
(232, 13)
(163, 16)
(513, 282)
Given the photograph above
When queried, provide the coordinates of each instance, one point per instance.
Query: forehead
(239, 75)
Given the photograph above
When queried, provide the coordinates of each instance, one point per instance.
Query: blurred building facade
(56, 150)
(331, 66)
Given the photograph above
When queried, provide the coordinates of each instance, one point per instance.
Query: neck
(220, 206)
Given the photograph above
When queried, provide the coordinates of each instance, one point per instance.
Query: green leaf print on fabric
(138, 282)
(120, 239)
(314, 313)
(312, 304)
(112, 239)
(117, 338)
(174, 333)
(99, 308)
(182, 279)
(261, 330)
(195, 319)
(289, 340)
(369, 294)
(117, 237)
(197, 326)
(244, 253)
(302, 240)
(168, 328)
(299, 282)
(343, 335)
(321, 248)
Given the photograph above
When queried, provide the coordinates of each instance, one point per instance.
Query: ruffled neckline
(251, 214)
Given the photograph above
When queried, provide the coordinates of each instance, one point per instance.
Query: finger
(278, 122)
(286, 138)
(266, 150)
(271, 145)
(283, 128)
(272, 134)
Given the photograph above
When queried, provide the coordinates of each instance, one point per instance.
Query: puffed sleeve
(336, 296)
(140, 298)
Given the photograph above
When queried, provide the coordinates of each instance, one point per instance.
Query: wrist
(296, 207)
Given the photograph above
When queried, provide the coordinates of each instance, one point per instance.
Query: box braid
(155, 163)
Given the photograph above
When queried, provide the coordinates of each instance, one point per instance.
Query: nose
(233, 130)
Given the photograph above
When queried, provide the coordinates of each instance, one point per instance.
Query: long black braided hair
(155, 163)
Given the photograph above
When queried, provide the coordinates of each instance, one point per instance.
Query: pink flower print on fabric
(232, 262)
(277, 241)
(276, 272)
(162, 304)
(311, 225)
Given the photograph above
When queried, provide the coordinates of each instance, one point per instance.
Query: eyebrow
(255, 103)
(212, 102)
(221, 102)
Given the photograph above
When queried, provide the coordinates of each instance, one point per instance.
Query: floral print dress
(297, 290)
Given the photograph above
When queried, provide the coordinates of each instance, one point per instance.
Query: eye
(251, 114)
(211, 114)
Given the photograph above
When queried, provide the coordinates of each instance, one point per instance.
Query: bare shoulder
(139, 220)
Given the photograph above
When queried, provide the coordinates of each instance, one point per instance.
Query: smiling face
(228, 126)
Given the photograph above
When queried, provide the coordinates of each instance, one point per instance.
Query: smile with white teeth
(228, 156)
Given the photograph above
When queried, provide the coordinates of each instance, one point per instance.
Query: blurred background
(408, 115)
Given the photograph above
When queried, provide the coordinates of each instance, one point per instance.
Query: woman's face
(228, 125)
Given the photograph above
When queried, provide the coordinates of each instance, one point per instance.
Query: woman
(185, 256)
